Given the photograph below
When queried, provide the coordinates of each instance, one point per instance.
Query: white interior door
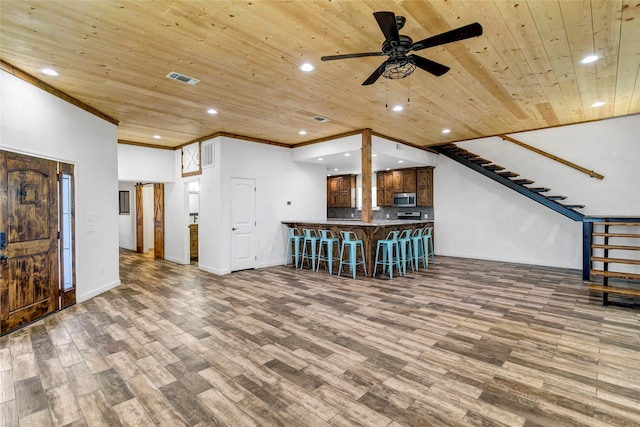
(243, 224)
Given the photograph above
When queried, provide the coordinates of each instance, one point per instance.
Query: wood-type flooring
(463, 343)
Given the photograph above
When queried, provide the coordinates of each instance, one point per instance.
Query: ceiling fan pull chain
(408, 92)
(386, 96)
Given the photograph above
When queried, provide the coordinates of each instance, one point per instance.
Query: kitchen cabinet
(384, 188)
(341, 191)
(410, 180)
(404, 180)
(424, 184)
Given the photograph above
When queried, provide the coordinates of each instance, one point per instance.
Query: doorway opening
(193, 209)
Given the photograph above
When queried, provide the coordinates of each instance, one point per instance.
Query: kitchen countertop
(359, 223)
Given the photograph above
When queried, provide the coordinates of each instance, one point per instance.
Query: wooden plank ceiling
(523, 73)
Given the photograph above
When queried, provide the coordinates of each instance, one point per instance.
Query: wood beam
(367, 186)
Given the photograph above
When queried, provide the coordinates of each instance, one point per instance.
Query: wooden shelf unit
(611, 230)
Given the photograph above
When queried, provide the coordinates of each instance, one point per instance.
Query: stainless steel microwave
(404, 200)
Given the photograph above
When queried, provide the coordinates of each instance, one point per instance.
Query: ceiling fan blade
(387, 23)
(468, 31)
(350, 55)
(375, 75)
(429, 66)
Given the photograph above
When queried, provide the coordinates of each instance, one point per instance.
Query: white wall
(127, 223)
(37, 123)
(143, 164)
(479, 218)
(278, 180)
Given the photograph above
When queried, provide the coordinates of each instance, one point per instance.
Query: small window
(125, 208)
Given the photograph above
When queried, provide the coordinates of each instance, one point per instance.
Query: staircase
(510, 179)
(615, 243)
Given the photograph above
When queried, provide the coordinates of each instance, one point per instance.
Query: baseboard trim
(212, 270)
(96, 292)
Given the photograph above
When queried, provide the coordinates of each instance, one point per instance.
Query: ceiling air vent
(182, 78)
(320, 119)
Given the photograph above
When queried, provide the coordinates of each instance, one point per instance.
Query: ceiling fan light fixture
(398, 68)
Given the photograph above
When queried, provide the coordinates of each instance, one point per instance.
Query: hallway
(466, 342)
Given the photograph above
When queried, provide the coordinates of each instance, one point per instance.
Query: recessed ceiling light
(303, 132)
(374, 155)
(320, 159)
(157, 136)
(306, 67)
(347, 154)
(388, 169)
(50, 72)
(212, 111)
(598, 104)
(336, 169)
(400, 161)
(589, 59)
(398, 108)
(328, 174)
(446, 130)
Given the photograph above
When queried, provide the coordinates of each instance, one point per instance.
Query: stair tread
(616, 274)
(493, 167)
(616, 234)
(616, 247)
(614, 290)
(480, 160)
(556, 197)
(523, 181)
(609, 260)
(508, 174)
(574, 206)
(539, 189)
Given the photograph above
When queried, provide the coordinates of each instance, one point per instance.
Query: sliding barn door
(28, 239)
(158, 221)
(139, 219)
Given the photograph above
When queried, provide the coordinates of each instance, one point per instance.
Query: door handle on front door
(233, 229)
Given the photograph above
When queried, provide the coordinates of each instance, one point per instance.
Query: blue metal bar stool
(406, 251)
(352, 243)
(293, 246)
(325, 253)
(417, 242)
(389, 246)
(427, 235)
(426, 248)
(311, 239)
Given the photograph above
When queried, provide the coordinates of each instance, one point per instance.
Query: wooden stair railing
(611, 230)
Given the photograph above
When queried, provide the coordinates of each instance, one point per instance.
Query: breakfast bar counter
(370, 233)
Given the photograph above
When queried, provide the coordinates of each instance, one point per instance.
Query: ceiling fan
(397, 46)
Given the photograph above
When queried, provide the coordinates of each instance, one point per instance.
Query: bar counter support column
(367, 185)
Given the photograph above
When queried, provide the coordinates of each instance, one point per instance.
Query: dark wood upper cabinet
(341, 191)
(424, 190)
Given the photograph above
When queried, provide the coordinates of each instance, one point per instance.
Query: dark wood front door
(29, 219)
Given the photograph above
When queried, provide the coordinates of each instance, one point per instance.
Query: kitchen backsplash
(382, 213)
